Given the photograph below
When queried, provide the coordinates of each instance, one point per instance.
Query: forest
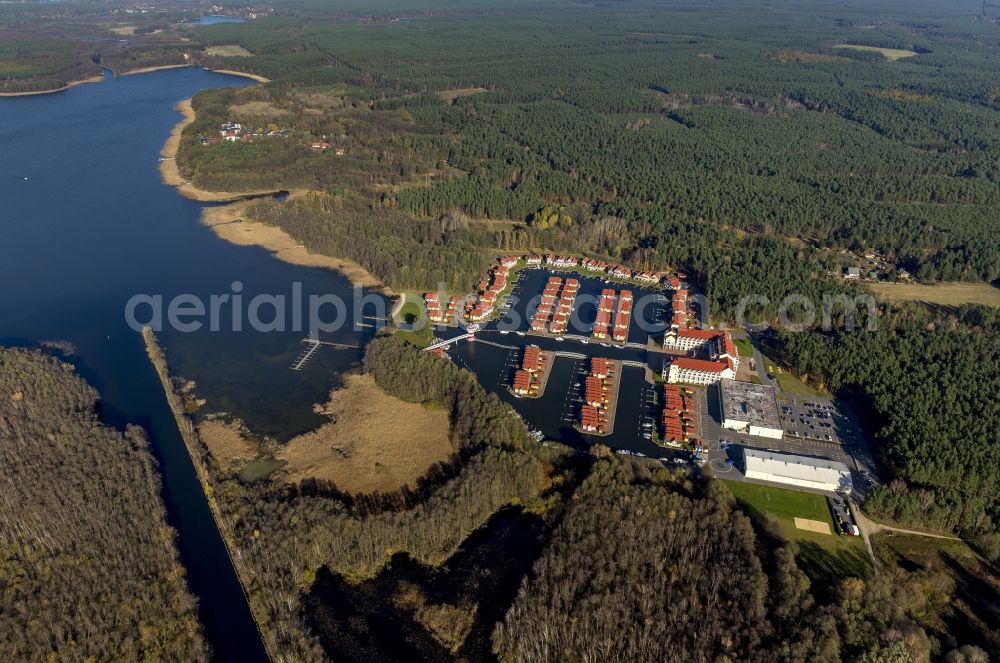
(758, 156)
(760, 125)
(668, 587)
(90, 569)
(929, 385)
(289, 536)
(46, 46)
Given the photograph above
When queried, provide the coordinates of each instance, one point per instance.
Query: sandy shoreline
(142, 70)
(228, 222)
(171, 173)
(231, 72)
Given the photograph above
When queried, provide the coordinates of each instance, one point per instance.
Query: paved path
(758, 359)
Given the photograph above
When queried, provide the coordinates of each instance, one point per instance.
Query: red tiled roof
(522, 380)
(687, 363)
(702, 334)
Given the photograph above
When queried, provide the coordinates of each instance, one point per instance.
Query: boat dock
(314, 345)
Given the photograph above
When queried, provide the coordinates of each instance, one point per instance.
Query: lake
(88, 224)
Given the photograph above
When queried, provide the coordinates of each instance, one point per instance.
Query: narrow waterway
(85, 225)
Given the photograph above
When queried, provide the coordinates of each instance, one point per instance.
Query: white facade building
(719, 344)
(801, 471)
(698, 371)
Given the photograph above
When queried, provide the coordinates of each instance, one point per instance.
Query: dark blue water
(86, 223)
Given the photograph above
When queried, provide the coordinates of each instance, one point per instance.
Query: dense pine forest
(46, 46)
(684, 576)
(89, 568)
(930, 385)
(639, 111)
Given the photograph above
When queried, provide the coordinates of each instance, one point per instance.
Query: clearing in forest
(263, 109)
(890, 54)
(229, 51)
(948, 294)
(374, 442)
(449, 96)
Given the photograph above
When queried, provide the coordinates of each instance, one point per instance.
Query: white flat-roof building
(750, 408)
(802, 471)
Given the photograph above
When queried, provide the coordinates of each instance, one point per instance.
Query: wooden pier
(314, 345)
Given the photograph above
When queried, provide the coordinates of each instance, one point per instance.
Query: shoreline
(142, 70)
(228, 223)
(162, 67)
(93, 79)
(171, 173)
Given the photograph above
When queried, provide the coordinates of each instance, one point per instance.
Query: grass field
(258, 109)
(890, 54)
(743, 347)
(788, 382)
(412, 310)
(948, 294)
(228, 51)
(373, 443)
(822, 556)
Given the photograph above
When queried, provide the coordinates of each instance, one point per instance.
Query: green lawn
(411, 311)
(743, 347)
(824, 557)
(788, 383)
(420, 339)
(781, 503)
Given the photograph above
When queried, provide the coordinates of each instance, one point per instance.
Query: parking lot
(807, 423)
(812, 420)
(843, 517)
